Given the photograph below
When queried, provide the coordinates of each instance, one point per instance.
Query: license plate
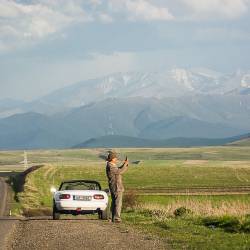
(82, 198)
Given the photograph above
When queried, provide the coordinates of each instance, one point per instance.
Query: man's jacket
(114, 174)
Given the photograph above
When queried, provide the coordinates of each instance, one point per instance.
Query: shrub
(33, 212)
(245, 227)
(229, 224)
(130, 200)
(181, 211)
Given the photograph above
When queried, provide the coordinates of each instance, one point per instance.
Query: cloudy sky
(48, 44)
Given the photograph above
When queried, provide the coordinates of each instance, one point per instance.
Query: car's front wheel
(56, 214)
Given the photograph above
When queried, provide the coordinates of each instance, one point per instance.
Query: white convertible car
(80, 197)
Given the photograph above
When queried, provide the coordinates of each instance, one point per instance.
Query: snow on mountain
(183, 76)
(172, 83)
(245, 81)
(176, 82)
(166, 104)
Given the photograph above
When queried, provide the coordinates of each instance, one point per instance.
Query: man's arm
(123, 168)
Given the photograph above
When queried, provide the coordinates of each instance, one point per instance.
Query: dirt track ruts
(79, 234)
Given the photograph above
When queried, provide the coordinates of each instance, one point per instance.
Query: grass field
(149, 178)
(210, 182)
(76, 156)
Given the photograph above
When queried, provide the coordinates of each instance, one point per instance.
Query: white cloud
(23, 24)
(218, 9)
(26, 23)
(140, 10)
(105, 18)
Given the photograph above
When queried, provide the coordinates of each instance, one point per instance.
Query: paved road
(7, 225)
(79, 234)
(3, 196)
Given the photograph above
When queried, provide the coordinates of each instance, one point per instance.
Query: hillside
(241, 143)
(175, 103)
(146, 118)
(116, 141)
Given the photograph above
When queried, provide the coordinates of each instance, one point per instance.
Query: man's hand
(126, 161)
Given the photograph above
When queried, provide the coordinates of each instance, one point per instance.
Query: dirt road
(83, 233)
(78, 234)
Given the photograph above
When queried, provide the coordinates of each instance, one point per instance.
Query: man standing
(114, 174)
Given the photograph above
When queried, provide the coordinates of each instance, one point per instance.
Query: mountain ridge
(147, 118)
(153, 105)
(118, 141)
(175, 82)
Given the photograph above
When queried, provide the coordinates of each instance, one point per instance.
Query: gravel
(79, 234)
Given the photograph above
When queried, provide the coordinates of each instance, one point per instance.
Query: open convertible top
(84, 181)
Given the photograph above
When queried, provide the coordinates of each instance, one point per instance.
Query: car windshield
(80, 185)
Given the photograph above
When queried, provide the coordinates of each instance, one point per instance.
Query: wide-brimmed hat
(111, 156)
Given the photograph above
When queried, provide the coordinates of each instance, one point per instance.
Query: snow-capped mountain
(147, 118)
(171, 83)
(154, 105)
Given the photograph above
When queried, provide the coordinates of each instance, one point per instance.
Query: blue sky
(48, 44)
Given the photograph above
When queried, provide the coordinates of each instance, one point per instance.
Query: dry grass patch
(33, 212)
(195, 162)
(201, 208)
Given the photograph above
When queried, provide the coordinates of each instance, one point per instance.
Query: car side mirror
(106, 190)
(53, 190)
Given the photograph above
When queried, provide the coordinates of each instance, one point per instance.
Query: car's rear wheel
(56, 214)
(103, 214)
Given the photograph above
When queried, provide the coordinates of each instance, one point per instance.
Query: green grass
(77, 155)
(228, 223)
(10, 157)
(171, 174)
(187, 232)
(202, 153)
(178, 174)
(214, 199)
(149, 175)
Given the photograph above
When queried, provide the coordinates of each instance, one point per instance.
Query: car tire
(56, 214)
(103, 214)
